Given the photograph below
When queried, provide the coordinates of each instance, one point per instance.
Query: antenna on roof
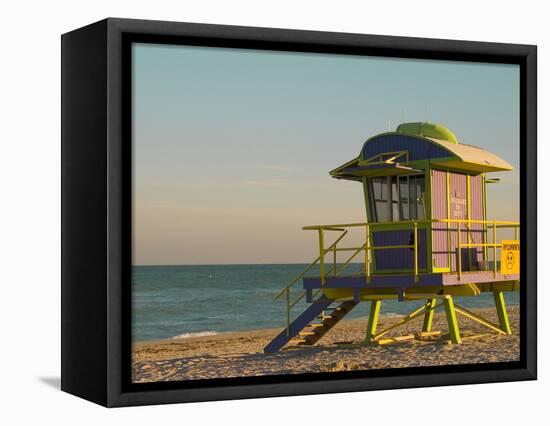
(403, 116)
(389, 125)
(426, 114)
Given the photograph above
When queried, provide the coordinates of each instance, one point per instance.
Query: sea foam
(198, 334)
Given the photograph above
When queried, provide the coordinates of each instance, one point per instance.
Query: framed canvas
(254, 212)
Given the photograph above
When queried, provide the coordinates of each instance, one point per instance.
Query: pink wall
(458, 210)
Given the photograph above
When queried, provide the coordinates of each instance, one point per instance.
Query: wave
(198, 334)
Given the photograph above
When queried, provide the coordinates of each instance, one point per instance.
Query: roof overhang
(469, 158)
(470, 167)
(357, 169)
(462, 158)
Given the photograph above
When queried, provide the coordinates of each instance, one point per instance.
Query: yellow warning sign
(509, 257)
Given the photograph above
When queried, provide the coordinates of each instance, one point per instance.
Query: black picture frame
(96, 213)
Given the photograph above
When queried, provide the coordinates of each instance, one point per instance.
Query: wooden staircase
(311, 325)
(315, 331)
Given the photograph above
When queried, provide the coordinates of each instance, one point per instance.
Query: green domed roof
(429, 130)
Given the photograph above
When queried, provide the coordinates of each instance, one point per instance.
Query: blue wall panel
(401, 258)
(418, 149)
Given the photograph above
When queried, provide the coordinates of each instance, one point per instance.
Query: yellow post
(459, 250)
(454, 333)
(373, 320)
(367, 252)
(429, 315)
(322, 255)
(501, 311)
(494, 249)
(468, 218)
(415, 227)
(485, 239)
(449, 233)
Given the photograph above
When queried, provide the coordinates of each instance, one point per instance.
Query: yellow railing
(367, 248)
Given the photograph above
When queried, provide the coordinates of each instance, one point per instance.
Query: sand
(241, 354)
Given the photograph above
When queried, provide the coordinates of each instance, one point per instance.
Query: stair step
(297, 341)
(326, 317)
(309, 334)
(298, 324)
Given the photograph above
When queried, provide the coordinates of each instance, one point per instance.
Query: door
(440, 230)
(458, 211)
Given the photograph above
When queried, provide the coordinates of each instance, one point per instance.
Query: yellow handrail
(414, 224)
(311, 265)
(357, 251)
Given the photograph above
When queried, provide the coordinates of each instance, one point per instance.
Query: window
(417, 202)
(379, 191)
(395, 198)
(404, 197)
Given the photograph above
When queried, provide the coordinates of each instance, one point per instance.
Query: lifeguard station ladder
(316, 321)
(319, 318)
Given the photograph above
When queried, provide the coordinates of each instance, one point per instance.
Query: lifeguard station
(427, 238)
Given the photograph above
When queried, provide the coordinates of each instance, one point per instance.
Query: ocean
(191, 300)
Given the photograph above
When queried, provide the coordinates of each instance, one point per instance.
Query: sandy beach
(241, 353)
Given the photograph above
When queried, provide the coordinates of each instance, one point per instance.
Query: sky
(232, 147)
